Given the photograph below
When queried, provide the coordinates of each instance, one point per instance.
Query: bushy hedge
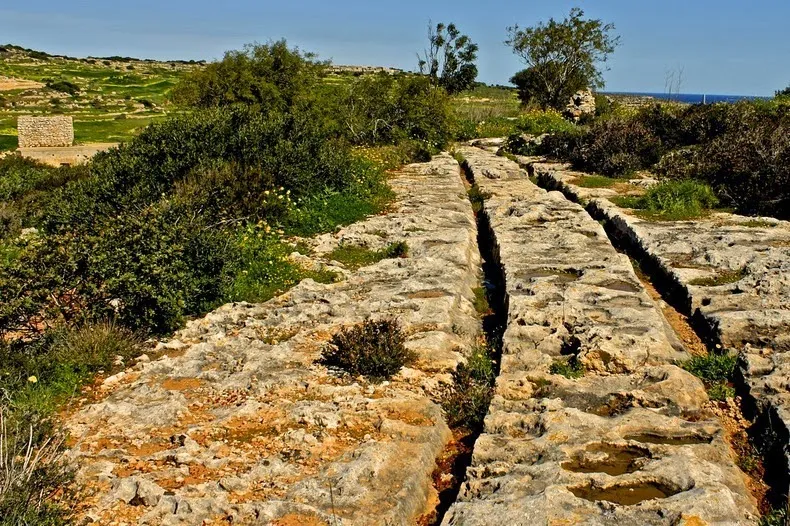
(741, 150)
(145, 236)
(389, 109)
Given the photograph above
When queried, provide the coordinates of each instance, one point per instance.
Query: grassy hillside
(111, 99)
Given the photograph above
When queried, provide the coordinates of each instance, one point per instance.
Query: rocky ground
(592, 422)
(237, 423)
(729, 273)
(628, 442)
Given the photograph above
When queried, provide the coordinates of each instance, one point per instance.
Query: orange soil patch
(181, 384)
(679, 323)
(426, 294)
(294, 519)
(732, 420)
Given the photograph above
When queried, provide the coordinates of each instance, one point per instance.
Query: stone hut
(45, 132)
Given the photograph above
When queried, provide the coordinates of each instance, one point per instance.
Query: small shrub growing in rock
(374, 349)
(712, 367)
(466, 401)
(571, 368)
(716, 371)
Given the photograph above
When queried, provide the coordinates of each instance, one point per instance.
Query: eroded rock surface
(733, 272)
(629, 442)
(238, 423)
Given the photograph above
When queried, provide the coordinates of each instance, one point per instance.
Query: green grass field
(116, 98)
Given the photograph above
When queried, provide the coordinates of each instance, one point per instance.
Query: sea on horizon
(688, 98)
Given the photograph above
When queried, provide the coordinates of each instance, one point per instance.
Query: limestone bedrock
(733, 274)
(238, 421)
(630, 442)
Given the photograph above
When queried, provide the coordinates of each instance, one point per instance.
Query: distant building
(362, 70)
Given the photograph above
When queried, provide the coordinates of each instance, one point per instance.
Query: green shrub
(374, 349)
(268, 76)
(540, 122)
(712, 368)
(720, 392)
(748, 167)
(776, 517)
(570, 368)
(678, 200)
(615, 147)
(388, 109)
(64, 86)
(465, 402)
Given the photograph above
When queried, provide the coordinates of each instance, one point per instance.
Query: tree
(784, 93)
(450, 58)
(270, 76)
(561, 57)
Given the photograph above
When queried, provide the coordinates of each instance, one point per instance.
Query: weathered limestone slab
(628, 443)
(237, 422)
(733, 272)
(47, 132)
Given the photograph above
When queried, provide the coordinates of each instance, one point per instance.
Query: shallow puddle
(625, 495)
(609, 459)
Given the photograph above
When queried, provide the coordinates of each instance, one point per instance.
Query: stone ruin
(582, 103)
(45, 132)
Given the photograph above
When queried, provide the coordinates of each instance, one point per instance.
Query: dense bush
(25, 189)
(616, 147)
(388, 109)
(269, 76)
(374, 349)
(148, 235)
(64, 86)
(742, 151)
(679, 200)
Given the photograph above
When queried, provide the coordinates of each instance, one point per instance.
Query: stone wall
(50, 132)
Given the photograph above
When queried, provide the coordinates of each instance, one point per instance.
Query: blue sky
(723, 46)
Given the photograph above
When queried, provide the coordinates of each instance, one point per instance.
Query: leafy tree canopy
(450, 58)
(561, 57)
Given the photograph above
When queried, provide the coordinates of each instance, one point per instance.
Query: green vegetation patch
(355, 257)
(674, 200)
(569, 368)
(716, 371)
(722, 278)
(482, 306)
(594, 181)
(264, 269)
